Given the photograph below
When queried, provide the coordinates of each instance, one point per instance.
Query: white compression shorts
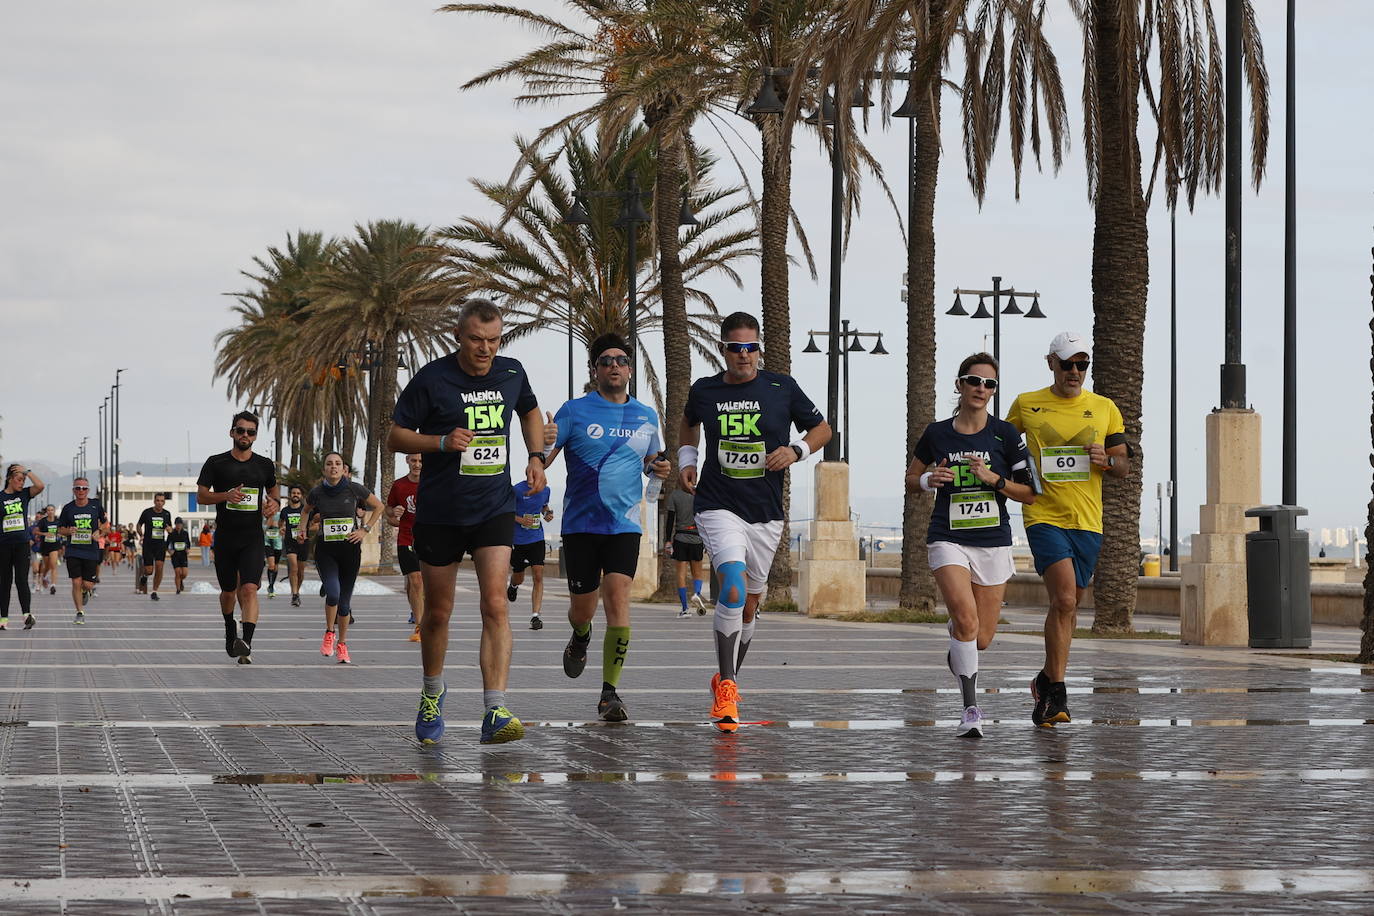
(730, 539)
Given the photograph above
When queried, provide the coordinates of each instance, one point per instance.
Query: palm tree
(1186, 99)
(381, 294)
(1006, 59)
(1366, 655)
(547, 275)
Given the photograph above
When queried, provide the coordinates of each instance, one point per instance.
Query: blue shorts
(1049, 545)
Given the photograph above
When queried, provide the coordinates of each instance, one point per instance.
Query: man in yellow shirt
(1074, 437)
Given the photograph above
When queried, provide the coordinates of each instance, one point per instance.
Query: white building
(136, 494)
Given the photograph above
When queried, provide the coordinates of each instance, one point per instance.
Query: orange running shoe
(415, 637)
(725, 709)
(344, 658)
(327, 644)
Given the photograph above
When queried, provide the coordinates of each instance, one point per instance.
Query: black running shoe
(229, 645)
(511, 592)
(1040, 693)
(240, 649)
(1051, 701)
(52, 589)
(295, 600)
(575, 654)
(612, 707)
(29, 622)
(155, 597)
(536, 622)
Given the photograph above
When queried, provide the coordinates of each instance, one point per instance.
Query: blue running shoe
(429, 721)
(499, 726)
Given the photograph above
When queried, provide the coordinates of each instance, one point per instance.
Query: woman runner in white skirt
(972, 463)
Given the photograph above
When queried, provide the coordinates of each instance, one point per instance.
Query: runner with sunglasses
(1075, 437)
(239, 484)
(612, 441)
(973, 463)
(468, 413)
(747, 414)
(294, 548)
(81, 522)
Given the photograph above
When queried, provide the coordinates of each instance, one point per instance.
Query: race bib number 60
(484, 456)
(1065, 464)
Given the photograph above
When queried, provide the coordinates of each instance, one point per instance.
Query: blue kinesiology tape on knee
(732, 581)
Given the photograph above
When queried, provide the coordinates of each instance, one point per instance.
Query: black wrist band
(1001, 483)
(542, 458)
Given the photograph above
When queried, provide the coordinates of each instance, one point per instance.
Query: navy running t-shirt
(743, 423)
(87, 519)
(969, 511)
(473, 485)
(14, 516)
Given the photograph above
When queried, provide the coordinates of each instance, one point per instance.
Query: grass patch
(779, 607)
(1318, 656)
(1089, 634)
(896, 615)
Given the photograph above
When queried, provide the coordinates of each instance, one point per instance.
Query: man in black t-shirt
(153, 525)
(747, 415)
(295, 550)
(239, 485)
(461, 412)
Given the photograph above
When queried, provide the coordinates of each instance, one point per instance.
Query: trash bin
(1278, 579)
(1151, 565)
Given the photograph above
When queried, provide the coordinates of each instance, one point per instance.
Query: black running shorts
(154, 552)
(523, 556)
(406, 557)
(179, 560)
(684, 552)
(82, 568)
(239, 562)
(587, 557)
(440, 545)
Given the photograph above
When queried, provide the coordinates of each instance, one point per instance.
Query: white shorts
(730, 539)
(986, 565)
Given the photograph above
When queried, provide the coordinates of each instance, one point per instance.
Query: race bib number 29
(250, 500)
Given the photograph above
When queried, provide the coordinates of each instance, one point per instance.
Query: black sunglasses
(244, 431)
(613, 360)
(740, 346)
(978, 381)
(1080, 364)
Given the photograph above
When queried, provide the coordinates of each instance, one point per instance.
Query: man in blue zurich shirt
(612, 441)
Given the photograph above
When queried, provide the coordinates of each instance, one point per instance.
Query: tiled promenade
(142, 771)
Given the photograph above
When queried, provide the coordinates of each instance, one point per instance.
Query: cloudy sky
(151, 149)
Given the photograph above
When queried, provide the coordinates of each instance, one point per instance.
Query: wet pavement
(142, 771)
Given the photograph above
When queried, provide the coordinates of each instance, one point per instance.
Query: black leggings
(14, 569)
(338, 564)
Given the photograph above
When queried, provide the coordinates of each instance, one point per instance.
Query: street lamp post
(632, 213)
(100, 441)
(849, 342)
(117, 386)
(997, 292)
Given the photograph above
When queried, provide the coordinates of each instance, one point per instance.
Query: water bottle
(655, 487)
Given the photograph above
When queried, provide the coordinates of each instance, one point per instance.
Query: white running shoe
(699, 604)
(971, 725)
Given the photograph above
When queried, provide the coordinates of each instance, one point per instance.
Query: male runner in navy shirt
(748, 414)
(461, 411)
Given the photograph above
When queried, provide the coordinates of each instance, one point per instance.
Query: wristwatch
(797, 449)
(543, 459)
(1001, 482)
(366, 528)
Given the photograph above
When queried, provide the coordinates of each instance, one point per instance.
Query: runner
(748, 414)
(50, 547)
(1076, 437)
(82, 522)
(338, 553)
(132, 542)
(400, 502)
(114, 547)
(237, 483)
(531, 512)
(612, 441)
(272, 544)
(296, 550)
(464, 407)
(973, 463)
(15, 539)
(179, 544)
(153, 524)
(686, 549)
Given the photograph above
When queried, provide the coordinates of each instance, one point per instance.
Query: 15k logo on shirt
(485, 416)
(740, 424)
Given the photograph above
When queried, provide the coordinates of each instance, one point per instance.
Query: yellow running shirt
(1058, 432)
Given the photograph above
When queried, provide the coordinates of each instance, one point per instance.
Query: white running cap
(1067, 344)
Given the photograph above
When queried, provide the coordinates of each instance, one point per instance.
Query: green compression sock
(582, 631)
(614, 648)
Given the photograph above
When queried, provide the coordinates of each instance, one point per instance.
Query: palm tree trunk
(1121, 280)
(677, 350)
(373, 444)
(775, 207)
(918, 584)
(385, 381)
(1367, 623)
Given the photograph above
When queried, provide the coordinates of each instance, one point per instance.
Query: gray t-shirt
(338, 511)
(680, 505)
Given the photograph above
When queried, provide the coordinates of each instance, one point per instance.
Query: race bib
(1065, 464)
(159, 532)
(740, 460)
(50, 536)
(484, 456)
(250, 500)
(13, 523)
(337, 529)
(533, 522)
(178, 546)
(973, 509)
(81, 536)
